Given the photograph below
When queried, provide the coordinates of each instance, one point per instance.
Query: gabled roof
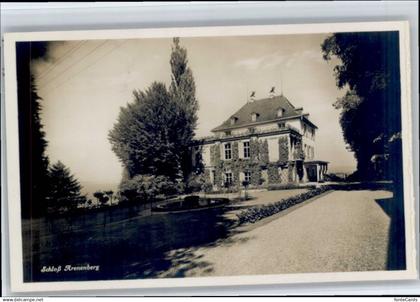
(267, 110)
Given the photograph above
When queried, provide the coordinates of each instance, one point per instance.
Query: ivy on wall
(259, 160)
(215, 154)
(235, 151)
(283, 149)
(254, 150)
(290, 169)
(206, 175)
(263, 151)
(273, 174)
(298, 154)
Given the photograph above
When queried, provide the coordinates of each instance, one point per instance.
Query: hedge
(254, 214)
(288, 186)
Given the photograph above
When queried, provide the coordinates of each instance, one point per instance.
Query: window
(254, 116)
(282, 125)
(280, 112)
(251, 130)
(228, 151)
(247, 151)
(228, 178)
(233, 120)
(247, 176)
(228, 133)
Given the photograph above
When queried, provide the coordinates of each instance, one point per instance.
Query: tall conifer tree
(182, 90)
(64, 193)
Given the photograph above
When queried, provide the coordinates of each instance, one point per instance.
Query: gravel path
(341, 231)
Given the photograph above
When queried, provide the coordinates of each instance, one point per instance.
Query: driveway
(340, 231)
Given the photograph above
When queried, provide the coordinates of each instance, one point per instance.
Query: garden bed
(255, 214)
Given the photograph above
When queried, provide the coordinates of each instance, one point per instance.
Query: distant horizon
(84, 84)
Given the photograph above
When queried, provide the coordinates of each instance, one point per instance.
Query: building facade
(267, 141)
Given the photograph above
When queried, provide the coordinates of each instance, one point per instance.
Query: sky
(85, 83)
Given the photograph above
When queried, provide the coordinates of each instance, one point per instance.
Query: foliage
(254, 214)
(288, 186)
(182, 91)
(290, 168)
(195, 183)
(370, 109)
(146, 135)
(64, 189)
(207, 187)
(32, 143)
(110, 195)
(102, 197)
(263, 152)
(146, 188)
(283, 149)
(299, 154)
(273, 174)
(154, 133)
(258, 160)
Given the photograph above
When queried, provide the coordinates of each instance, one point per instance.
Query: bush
(145, 188)
(207, 187)
(274, 187)
(254, 214)
(225, 191)
(195, 183)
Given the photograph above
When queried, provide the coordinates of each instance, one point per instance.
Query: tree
(32, 143)
(146, 135)
(110, 195)
(182, 90)
(64, 193)
(370, 109)
(154, 134)
(146, 188)
(195, 183)
(101, 197)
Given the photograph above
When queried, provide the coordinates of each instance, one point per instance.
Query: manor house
(267, 141)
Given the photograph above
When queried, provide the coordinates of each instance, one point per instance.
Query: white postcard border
(12, 151)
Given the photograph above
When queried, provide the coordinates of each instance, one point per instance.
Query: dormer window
(282, 125)
(233, 120)
(280, 112)
(254, 116)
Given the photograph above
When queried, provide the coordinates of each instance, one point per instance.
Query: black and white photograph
(255, 151)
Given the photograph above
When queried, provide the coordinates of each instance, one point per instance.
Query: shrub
(289, 186)
(254, 214)
(195, 183)
(145, 188)
(101, 197)
(207, 187)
